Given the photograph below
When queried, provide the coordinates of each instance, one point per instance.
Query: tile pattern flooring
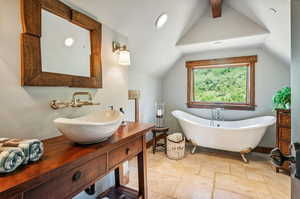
(212, 174)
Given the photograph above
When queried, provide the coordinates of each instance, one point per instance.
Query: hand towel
(10, 158)
(33, 149)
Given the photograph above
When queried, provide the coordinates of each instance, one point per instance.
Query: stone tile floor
(212, 174)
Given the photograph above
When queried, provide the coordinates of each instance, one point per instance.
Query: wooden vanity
(67, 169)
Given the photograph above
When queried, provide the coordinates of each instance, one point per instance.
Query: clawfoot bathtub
(236, 136)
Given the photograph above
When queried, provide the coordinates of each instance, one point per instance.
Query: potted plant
(282, 98)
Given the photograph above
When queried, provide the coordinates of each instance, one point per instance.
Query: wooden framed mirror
(32, 71)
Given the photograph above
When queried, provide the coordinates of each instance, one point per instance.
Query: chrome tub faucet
(216, 115)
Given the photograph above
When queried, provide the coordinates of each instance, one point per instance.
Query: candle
(159, 112)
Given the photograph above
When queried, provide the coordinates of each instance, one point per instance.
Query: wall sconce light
(124, 54)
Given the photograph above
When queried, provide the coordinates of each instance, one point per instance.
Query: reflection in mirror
(65, 47)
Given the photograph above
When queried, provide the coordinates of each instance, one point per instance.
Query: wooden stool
(163, 131)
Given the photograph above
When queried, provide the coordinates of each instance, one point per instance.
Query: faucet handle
(53, 104)
(56, 104)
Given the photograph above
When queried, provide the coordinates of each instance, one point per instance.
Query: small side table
(163, 131)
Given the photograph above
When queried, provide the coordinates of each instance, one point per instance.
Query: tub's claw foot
(193, 149)
(244, 153)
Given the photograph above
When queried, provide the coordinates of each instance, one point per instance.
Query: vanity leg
(154, 142)
(91, 190)
(142, 171)
(117, 177)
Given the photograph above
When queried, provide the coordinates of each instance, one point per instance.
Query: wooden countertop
(60, 153)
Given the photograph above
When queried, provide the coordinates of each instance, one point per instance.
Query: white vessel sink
(92, 128)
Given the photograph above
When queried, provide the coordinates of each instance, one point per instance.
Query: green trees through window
(221, 85)
(227, 83)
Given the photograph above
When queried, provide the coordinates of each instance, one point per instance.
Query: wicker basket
(175, 146)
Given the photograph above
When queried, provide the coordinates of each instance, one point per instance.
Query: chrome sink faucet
(78, 103)
(81, 93)
(56, 104)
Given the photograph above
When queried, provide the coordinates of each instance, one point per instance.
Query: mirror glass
(65, 47)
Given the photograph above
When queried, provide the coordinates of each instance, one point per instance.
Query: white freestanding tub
(236, 136)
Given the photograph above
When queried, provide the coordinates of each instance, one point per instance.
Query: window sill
(241, 107)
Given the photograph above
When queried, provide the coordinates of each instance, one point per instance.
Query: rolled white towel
(10, 158)
(33, 149)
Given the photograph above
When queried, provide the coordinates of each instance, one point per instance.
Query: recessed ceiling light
(69, 42)
(161, 20)
(273, 10)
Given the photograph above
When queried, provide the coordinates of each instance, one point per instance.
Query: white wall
(154, 49)
(271, 74)
(25, 112)
(295, 71)
(151, 88)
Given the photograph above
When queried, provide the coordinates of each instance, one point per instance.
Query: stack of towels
(15, 152)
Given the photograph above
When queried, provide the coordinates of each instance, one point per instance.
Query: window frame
(248, 61)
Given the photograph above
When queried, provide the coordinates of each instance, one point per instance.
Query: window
(222, 83)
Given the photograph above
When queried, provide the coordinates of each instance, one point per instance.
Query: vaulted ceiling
(231, 30)
(154, 51)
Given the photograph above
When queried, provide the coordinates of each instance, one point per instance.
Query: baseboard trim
(261, 149)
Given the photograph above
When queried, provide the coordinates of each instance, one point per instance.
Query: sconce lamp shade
(124, 58)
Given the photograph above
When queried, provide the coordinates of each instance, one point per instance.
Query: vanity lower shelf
(120, 192)
(67, 169)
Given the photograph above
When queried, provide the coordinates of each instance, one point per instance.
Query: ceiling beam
(216, 6)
